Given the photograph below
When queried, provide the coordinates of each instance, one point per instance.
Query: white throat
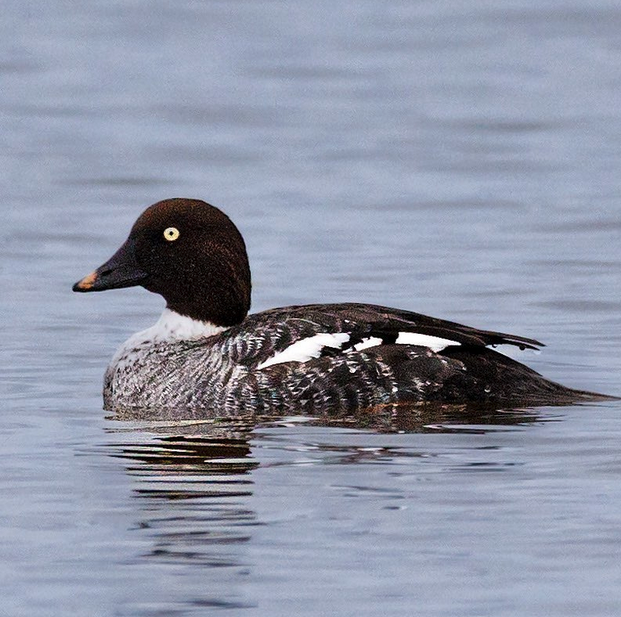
(174, 327)
(171, 327)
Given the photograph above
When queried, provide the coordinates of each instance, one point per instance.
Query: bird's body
(206, 352)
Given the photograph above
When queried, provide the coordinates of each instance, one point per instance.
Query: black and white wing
(300, 333)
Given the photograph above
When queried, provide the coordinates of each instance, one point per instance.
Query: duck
(207, 352)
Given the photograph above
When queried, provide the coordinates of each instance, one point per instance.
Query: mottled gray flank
(223, 373)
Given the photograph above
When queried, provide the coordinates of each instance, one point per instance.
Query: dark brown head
(190, 253)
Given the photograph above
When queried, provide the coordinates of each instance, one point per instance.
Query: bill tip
(86, 284)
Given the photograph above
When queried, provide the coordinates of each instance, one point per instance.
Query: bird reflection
(390, 418)
(431, 416)
(193, 484)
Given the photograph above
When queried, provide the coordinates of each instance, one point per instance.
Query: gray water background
(457, 159)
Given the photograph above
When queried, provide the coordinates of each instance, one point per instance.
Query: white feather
(365, 343)
(435, 343)
(174, 327)
(307, 348)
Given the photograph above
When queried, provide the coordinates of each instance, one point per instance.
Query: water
(457, 160)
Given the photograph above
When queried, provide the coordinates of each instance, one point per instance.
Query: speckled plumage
(220, 373)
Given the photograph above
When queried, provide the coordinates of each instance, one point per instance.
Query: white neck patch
(172, 327)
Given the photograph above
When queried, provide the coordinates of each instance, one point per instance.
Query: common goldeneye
(206, 352)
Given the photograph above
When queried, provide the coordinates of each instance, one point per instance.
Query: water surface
(457, 160)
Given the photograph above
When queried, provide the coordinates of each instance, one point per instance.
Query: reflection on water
(191, 494)
(192, 477)
(437, 417)
(390, 418)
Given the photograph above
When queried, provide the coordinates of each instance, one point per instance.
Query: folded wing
(299, 333)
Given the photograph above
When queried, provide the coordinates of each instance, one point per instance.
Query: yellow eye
(171, 234)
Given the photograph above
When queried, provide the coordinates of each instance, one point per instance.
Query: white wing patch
(435, 343)
(307, 348)
(365, 343)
